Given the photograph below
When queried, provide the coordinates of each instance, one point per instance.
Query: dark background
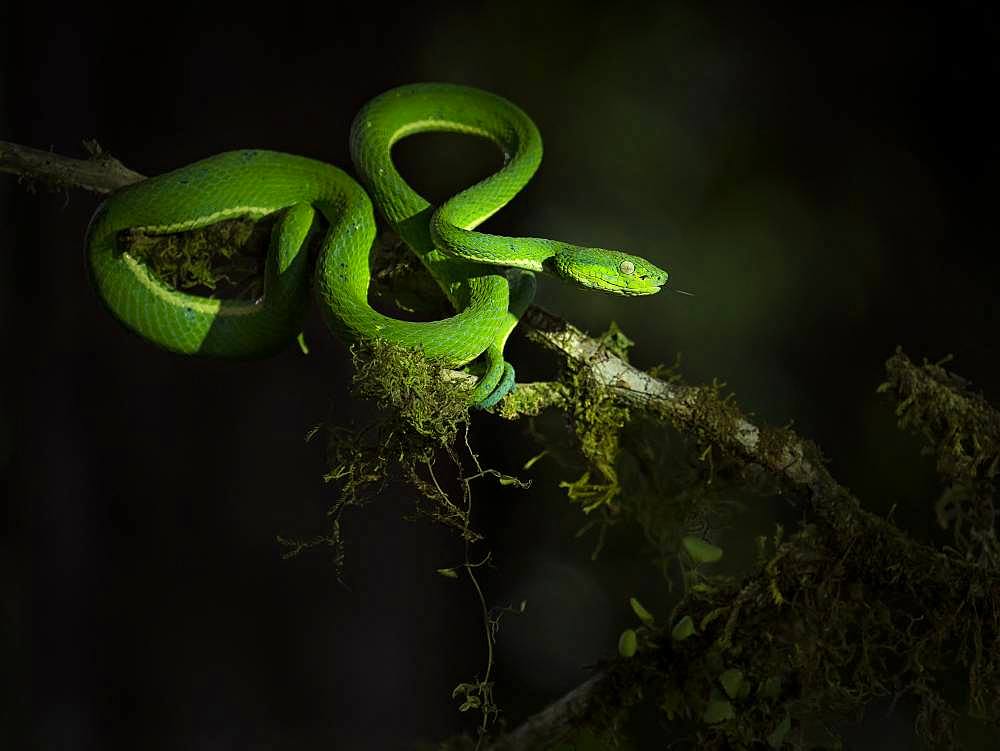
(824, 181)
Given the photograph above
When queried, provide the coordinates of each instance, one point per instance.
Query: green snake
(487, 278)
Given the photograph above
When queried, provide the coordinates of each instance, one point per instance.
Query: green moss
(416, 421)
(222, 259)
(597, 421)
(415, 389)
(616, 342)
(419, 425)
(962, 431)
(530, 402)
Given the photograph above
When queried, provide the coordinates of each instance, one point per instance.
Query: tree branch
(847, 528)
(559, 719)
(780, 451)
(101, 173)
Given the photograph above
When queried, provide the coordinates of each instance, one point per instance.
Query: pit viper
(487, 278)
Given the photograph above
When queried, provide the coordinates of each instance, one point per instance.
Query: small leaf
(701, 551)
(644, 615)
(732, 681)
(448, 573)
(531, 462)
(683, 629)
(471, 702)
(509, 480)
(777, 738)
(627, 643)
(718, 710)
(301, 339)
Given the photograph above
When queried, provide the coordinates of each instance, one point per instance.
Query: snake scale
(487, 278)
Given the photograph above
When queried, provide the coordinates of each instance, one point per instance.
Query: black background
(824, 181)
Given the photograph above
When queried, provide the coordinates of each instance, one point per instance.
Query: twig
(102, 173)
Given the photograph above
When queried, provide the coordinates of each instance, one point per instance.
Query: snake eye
(626, 267)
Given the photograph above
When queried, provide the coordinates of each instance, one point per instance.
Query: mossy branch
(700, 412)
(875, 561)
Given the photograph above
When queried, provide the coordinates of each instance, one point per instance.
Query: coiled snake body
(487, 278)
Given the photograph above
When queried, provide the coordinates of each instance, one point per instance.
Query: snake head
(611, 271)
